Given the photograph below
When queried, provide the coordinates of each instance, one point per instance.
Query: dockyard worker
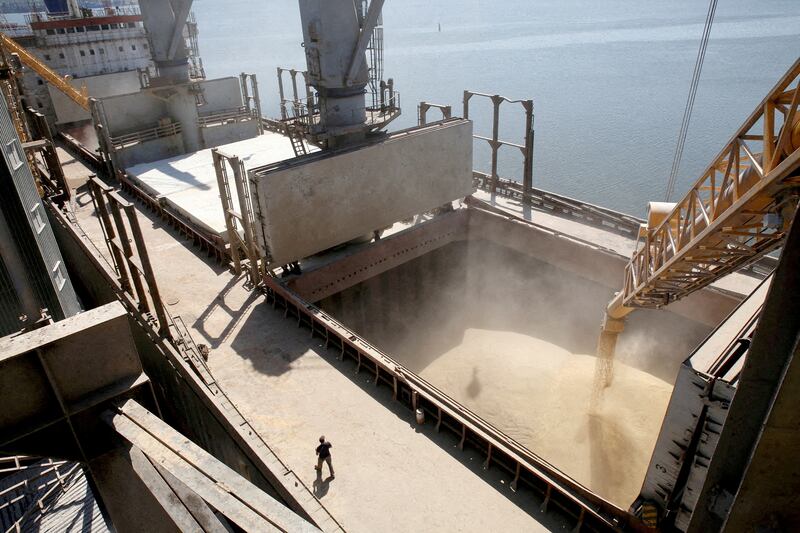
(324, 455)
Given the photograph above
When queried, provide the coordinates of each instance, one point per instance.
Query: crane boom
(61, 83)
(739, 210)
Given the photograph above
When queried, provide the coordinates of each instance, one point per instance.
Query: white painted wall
(95, 52)
(228, 133)
(310, 204)
(220, 95)
(100, 86)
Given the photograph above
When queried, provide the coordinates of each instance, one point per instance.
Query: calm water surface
(609, 79)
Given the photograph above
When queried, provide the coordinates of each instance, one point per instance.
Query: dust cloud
(510, 337)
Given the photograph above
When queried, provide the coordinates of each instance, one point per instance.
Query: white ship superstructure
(106, 50)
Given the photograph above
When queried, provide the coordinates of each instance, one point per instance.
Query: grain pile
(540, 395)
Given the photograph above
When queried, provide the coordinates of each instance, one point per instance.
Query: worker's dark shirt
(324, 450)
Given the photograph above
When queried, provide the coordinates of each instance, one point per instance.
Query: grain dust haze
(512, 339)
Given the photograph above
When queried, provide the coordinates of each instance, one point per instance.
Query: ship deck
(391, 473)
(188, 183)
(291, 389)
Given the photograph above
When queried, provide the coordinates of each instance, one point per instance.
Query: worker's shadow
(321, 486)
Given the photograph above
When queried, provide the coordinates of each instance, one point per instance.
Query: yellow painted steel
(61, 83)
(726, 220)
(722, 223)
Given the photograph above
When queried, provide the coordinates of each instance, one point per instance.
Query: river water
(609, 79)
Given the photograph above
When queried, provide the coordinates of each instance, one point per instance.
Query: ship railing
(128, 251)
(563, 206)
(225, 116)
(495, 143)
(292, 104)
(118, 11)
(147, 134)
(387, 109)
(16, 30)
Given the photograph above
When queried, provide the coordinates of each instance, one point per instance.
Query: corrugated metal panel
(19, 491)
(71, 506)
(28, 221)
(73, 510)
(10, 308)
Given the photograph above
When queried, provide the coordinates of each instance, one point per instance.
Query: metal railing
(300, 106)
(225, 116)
(117, 11)
(144, 135)
(495, 143)
(16, 30)
(294, 102)
(388, 107)
(128, 251)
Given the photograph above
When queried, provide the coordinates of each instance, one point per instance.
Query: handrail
(147, 134)
(238, 114)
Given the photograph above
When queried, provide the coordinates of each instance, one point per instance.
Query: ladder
(296, 138)
(239, 246)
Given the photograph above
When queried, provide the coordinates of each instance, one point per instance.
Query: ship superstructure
(106, 50)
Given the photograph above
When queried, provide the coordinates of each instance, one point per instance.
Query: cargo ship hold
(193, 292)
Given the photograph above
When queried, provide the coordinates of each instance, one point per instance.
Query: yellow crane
(8, 49)
(737, 211)
(61, 83)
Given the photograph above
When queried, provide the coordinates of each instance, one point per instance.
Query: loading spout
(613, 324)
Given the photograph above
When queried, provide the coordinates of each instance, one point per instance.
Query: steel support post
(127, 251)
(295, 94)
(527, 173)
(256, 101)
(147, 267)
(98, 189)
(496, 101)
(281, 94)
(309, 96)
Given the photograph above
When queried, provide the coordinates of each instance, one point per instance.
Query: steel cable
(687, 112)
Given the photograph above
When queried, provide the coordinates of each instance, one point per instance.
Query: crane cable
(687, 112)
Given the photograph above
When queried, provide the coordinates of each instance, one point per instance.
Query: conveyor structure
(739, 210)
